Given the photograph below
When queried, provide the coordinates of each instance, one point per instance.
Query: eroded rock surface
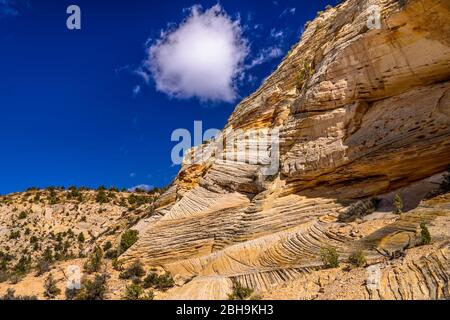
(361, 113)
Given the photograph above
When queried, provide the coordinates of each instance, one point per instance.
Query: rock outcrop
(361, 113)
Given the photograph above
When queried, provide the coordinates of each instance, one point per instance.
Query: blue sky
(96, 107)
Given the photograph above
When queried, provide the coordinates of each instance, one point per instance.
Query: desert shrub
(51, 290)
(70, 233)
(135, 270)
(81, 237)
(93, 289)
(111, 254)
(398, 204)
(306, 71)
(425, 236)
(357, 259)
(117, 264)
(48, 255)
(329, 257)
(22, 215)
(128, 238)
(95, 261)
(42, 267)
(5, 258)
(11, 295)
(71, 293)
(37, 198)
(136, 292)
(101, 197)
(139, 200)
(4, 276)
(23, 265)
(15, 278)
(53, 197)
(359, 209)
(74, 194)
(108, 245)
(239, 292)
(150, 280)
(14, 235)
(162, 282)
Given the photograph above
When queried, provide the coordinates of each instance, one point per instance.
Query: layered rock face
(360, 113)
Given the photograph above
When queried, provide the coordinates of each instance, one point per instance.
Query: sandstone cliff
(362, 113)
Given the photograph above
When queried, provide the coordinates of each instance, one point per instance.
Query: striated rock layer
(361, 113)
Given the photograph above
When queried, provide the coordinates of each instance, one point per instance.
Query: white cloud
(202, 57)
(288, 11)
(143, 187)
(136, 90)
(276, 33)
(132, 175)
(266, 55)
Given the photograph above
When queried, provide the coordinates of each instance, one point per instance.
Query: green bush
(239, 292)
(357, 259)
(23, 265)
(135, 270)
(93, 289)
(425, 236)
(95, 261)
(74, 194)
(11, 295)
(22, 215)
(398, 204)
(111, 254)
(128, 238)
(139, 200)
(14, 235)
(108, 245)
(81, 237)
(329, 258)
(101, 197)
(4, 276)
(136, 292)
(117, 264)
(162, 282)
(48, 255)
(306, 71)
(51, 290)
(42, 267)
(5, 259)
(71, 294)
